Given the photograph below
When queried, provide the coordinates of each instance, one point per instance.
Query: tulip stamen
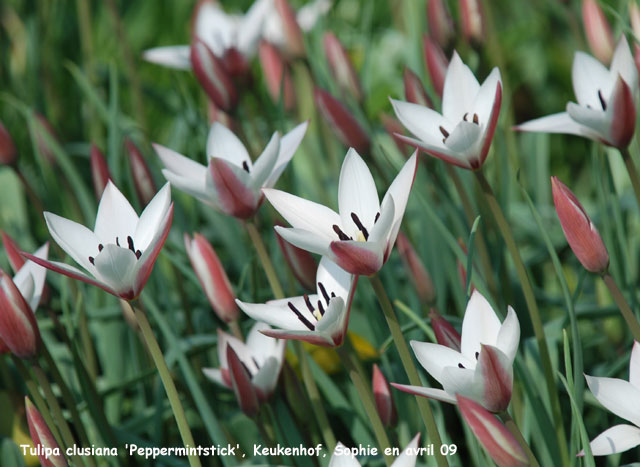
(377, 217)
(358, 224)
(602, 101)
(464, 117)
(477, 355)
(92, 260)
(320, 308)
(302, 319)
(341, 235)
(308, 303)
(100, 247)
(460, 365)
(445, 133)
(245, 166)
(117, 241)
(324, 292)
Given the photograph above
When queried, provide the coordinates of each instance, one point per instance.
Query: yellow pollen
(316, 314)
(360, 237)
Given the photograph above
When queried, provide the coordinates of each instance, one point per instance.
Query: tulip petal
(265, 164)
(463, 381)
(222, 143)
(399, 190)
(181, 165)
(35, 274)
(311, 337)
(149, 256)
(435, 358)
(460, 88)
(621, 114)
(382, 227)
(624, 64)
(484, 102)
(173, 56)
(589, 76)
(214, 26)
(241, 383)
(305, 240)
(75, 239)
(193, 188)
(288, 145)
(557, 123)
(152, 217)
(278, 316)
(409, 454)
(494, 373)
(334, 321)
(342, 458)
(479, 326)
(360, 258)
(463, 139)
(431, 393)
(618, 396)
(250, 26)
(634, 365)
(231, 184)
(439, 151)
(618, 438)
(592, 118)
(333, 278)
(509, 335)
(215, 375)
(357, 193)
(114, 265)
(422, 121)
(116, 218)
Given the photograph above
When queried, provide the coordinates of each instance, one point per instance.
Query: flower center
(445, 133)
(316, 313)
(460, 365)
(130, 246)
(603, 103)
(363, 233)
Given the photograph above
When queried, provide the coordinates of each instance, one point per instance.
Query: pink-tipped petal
(212, 75)
(437, 64)
(277, 75)
(13, 252)
(624, 111)
(491, 126)
(241, 383)
(414, 91)
(445, 333)
(598, 31)
(341, 121)
(495, 370)
(141, 174)
(43, 438)
(359, 258)
(99, 171)
(18, 327)
(235, 198)
(383, 398)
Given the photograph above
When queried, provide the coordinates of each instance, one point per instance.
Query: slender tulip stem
(625, 309)
(534, 313)
(515, 431)
(409, 366)
(633, 172)
(307, 376)
(366, 397)
(167, 382)
(234, 327)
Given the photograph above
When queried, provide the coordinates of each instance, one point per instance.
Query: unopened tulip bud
(8, 151)
(42, 437)
(18, 326)
(394, 128)
(414, 90)
(241, 383)
(294, 45)
(437, 64)
(301, 262)
(212, 277)
(417, 271)
(440, 22)
(142, 179)
(276, 75)
(383, 399)
(634, 18)
(212, 75)
(445, 333)
(472, 20)
(494, 437)
(16, 260)
(598, 31)
(345, 126)
(236, 64)
(341, 66)
(581, 234)
(99, 171)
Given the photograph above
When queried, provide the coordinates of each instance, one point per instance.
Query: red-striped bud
(445, 333)
(494, 437)
(212, 75)
(440, 22)
(598, 31)
(437, 64)
(414, 90)
(16, 260)
(418, 273)
(581, 234)
(212, 277)
(341, 66)
(345, 126)
(301, 262)
(383, 399)
(293, 43)
(236, 63)
(99, 171)
(18, 327)
(277, 75)
(8, 153)
(142, 178)
(42, 438)
(472, 19)
(241, 383)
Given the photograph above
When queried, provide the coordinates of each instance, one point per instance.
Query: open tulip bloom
(620, 397)
(606, 108)
(118, 255)
(360, 238)
(483, 368)
(231, 183)
(320, 319)
(341, 456)
(462, 134)
(261, 356)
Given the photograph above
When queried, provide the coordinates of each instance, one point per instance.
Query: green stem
(409, 367)
(359, 381)
(307, 377)
(633, 172)
(534, 313)
(515, 431)
(167, 381)
(234, 327)
(625, 309)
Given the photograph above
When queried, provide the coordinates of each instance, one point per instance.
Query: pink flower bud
(383, 399)
(414, 90)
(241, 383)
(276, 75)
(16, 260)
(394, 128)
(472, 19)
(236, 63)
(212, 277)
(8, 153)
(445, 333)
(437, 64)
(341, 66)
(416, 269)
(18, 326)
(294, 45)
(598, 31)
(582, 235)
(624, 108)
(43, 438)
(212, 75)
(440, 22)
(345, 126)
(301, 262)
(499, 443)
(99, 171)
(142, 179)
